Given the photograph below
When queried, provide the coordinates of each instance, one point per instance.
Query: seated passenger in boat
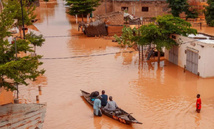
(93, 95)
(104, 99)
(111, 105)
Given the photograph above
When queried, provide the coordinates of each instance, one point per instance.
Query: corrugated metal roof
(22, 116)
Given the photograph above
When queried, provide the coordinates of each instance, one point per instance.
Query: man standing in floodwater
(198, 103)
(97, 106)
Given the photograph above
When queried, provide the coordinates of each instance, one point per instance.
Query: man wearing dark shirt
(104, 98)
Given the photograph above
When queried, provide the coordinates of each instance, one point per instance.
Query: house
(138, 8)
(194, 54)
(145, 8)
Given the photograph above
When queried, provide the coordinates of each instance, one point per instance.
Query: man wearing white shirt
(111, 105)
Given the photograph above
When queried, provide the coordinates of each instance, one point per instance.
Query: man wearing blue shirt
(104, 99)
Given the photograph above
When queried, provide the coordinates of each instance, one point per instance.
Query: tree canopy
(14, 6)
(36, 40)
(15, 69)
(82, 7)
(158, 34)
(209, 13)
(179, 6)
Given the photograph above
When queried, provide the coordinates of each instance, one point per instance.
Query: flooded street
(161, 97)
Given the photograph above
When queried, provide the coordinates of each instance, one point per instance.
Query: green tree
(127, 37)
(179, 6)
(82, 7)
(158, 34)
(36, 40)
(191, 13)
(14, 6)
(15, 69)
(209, 13)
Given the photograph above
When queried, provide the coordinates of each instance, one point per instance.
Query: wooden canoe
(119, 115)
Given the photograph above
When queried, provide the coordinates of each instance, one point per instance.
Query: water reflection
(129, 56)
(45, 11)
(40, 81)
(197, 120)
(98, 122)
(205, 29)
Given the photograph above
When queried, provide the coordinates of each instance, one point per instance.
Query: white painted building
(196, 56)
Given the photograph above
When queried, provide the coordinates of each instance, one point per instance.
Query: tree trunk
(35, 49)
(158, 56)
(139, 51)
(20, 31)
(142, 53)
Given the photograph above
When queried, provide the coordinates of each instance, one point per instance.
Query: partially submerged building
(138, 8)
(193, 55)
(114, 22)
(144, 8)
(96, 28)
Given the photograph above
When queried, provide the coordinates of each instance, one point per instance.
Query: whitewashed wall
(206, 53)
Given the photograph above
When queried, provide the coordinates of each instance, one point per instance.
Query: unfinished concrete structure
(144, 8)
(138, 8)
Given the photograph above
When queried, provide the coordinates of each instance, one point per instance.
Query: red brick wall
(112, 30)
(100, 10)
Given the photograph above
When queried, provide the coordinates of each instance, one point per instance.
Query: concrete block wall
(114, 18)
(100, 10)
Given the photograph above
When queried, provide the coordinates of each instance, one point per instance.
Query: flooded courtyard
(161, 96)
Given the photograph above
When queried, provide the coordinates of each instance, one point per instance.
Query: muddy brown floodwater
(162, 97)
